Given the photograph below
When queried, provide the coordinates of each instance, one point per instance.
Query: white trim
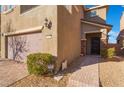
(83, 39)
(103, 38)
(96, 7)
(25, 31)
(93, 32)
(95, 24)
(8, 11)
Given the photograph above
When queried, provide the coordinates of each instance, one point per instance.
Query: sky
(113, 18)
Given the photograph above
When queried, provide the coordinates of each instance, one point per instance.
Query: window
(92, 13)
(5, 8)
(25, 8)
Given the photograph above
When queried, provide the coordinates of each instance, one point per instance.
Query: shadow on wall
(17, 45)
(69, 19)
(71, 9)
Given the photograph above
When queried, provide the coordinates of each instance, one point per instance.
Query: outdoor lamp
(48, 23)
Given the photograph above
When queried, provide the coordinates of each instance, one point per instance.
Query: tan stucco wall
(65, 42)
(87, 28)
(122, 22)
(33, 18)
(120, 37)
(121, 41)
(69, 32)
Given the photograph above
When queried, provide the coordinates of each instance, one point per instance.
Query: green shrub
(110, 52)
(37, 63)
(103, 53)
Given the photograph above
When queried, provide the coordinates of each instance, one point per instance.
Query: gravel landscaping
(112, 72)
(40, 81)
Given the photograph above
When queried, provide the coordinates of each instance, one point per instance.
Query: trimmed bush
(103, 53)
(110, 52)
(37, 63)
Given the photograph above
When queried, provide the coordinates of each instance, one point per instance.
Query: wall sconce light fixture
(47, 23)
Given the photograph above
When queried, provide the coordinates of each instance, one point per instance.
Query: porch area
(93, 43)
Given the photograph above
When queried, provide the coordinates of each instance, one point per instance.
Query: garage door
(20, 46)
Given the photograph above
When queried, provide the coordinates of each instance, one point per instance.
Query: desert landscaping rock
(112, 72)
(40, 81)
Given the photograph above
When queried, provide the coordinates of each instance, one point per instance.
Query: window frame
(93, 13)
(8, 9)
(26, 11)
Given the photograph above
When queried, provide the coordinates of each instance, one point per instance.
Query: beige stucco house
(120, 38)
(46, 29)
(65, 31)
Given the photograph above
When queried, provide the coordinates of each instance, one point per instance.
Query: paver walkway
(87, 73)
(11, 72)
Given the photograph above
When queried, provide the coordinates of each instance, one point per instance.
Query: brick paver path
(11, 72)
(87, 73)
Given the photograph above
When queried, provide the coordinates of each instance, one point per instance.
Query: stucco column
(104, 39)
(103, 44)
(83, 44)
(83, 47)
(3, 46)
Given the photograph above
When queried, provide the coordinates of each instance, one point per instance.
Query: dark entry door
(95, 45)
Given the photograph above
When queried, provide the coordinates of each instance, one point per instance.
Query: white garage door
(20, 46)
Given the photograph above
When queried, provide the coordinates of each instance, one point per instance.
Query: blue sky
(113, 18)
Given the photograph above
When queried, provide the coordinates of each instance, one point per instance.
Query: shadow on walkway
(82, 62)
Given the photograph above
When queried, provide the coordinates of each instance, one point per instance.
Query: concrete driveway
(11, 72)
